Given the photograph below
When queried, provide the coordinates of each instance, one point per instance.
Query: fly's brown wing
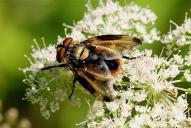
(119, 43)
(97, 79)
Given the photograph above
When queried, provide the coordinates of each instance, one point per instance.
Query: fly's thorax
(77, 56)
(79, 52)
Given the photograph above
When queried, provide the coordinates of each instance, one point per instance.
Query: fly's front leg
(55, 66)
(73, 87)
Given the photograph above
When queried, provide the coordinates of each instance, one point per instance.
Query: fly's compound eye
(62, 49)
(67, 41)
(60, 54)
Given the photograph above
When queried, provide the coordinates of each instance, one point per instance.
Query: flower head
(147, 92)
(112, 18)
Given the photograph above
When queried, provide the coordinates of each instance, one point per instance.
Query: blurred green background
(23, 20)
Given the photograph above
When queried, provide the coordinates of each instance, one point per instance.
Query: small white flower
(140, 96)
(127, 94)
(37, 66)
(96, 110)
(171, 71)
(188, 59)
(112, 106)
(54, 106)
(92, 124)
(141, 109)
(178, 59)
(126, 109)
(187, 75)
(106, 123)
(118, 122)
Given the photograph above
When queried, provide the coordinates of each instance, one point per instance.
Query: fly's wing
(97, 79)
(116, 42)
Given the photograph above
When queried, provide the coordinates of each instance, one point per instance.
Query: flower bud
(24, 123)
(11, 116)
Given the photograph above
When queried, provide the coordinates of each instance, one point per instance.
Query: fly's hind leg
(73, 87)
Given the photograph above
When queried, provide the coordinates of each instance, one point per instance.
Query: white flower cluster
(47, 88)
(180, 36)
(133, 113)
(111, 18)
(152, 72)
(161, 115)
(41, 57)
(178, 42)
(148, 95)
(150, 99)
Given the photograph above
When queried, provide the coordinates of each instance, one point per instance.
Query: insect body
(95, 62)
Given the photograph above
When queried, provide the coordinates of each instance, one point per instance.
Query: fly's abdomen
(115, 66)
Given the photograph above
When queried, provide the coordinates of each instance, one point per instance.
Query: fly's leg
(132, 58)
(55, 66)
(73, 87)
(129, 58)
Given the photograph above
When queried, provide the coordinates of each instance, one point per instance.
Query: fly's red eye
(60, 54)
(61, 49)
(67, 41)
